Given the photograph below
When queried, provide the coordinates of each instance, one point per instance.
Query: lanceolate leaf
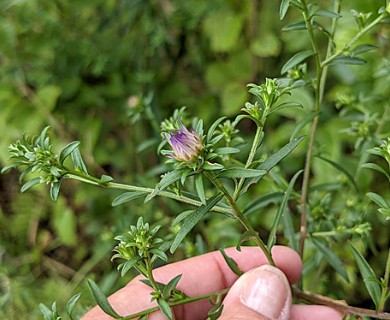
(347, 60)
(371, 282)
(211, 131)
(273, 160)
(296, 59)
(30, 184)
(332, 259)
(272, 235)
(171, 285)
(295, 26)
(55, 190)
(262, 201)
(378, 200)
(200, 188)
(165, 308)
(246, 236)
(71, 303)
(376, 167)
(166, 180)
(78, 160)
(193, 219)
(283, 8)
(101, 299)
(231, 263)
(127, 196)
(68, 150)
(241, 173)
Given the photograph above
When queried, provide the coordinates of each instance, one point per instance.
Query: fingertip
(289, 261)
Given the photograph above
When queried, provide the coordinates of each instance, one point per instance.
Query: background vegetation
(107, 72)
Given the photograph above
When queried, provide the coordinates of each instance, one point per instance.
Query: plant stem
(251, 156)
(239, 216)
(114, 185)
(340, 305)
(176, 303)
(385, 285)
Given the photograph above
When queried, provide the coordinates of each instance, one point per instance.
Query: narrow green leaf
(272, 234)
(101, 299)
(159, 253)
(347, 60)
(273, 160)
(171, 285)
(47, 313)
(55, 190)
(126, 266)
(327, 14)
(78, 161)
(246, 236)
(165, 308)
(212, 128)
(193, 219)
(289, 230)
(370, 280)
(104, 178)
(30, 183)
(231, 263)
(166, 181)
(295, 60)
(342, 170)
(200, 188)
(295, 26)
(227, 150)
(376, 167)
(332, 259)
(362, 49)
(286, 105)
(378, 200)
(42, 137)
(181, 217)
(68, 150)
(212, 166)
(242, 173)
(9, 167)
(284, 5)
(263, 201)
(71, 303)
(127, 196)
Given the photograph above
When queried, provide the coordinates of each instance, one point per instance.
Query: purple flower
(186, 145)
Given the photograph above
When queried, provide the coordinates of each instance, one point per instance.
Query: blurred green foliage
(106, 73)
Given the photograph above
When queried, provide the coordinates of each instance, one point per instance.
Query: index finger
(200, 275)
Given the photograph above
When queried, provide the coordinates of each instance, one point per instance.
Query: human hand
(262, 292)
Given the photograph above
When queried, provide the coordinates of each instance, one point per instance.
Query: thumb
(261, 293)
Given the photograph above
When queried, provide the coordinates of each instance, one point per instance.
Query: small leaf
(263, 201)
(231, 263)
(212, 166)
(68, 150)
(273, 160)
(347, 60)
(296, 59)
(9, 167)
(246, 236)
(378, 200)
(171, 285)
(30, 184)
(301, 124)
(332, 259)
(327, 14)
(78, 161)
(193, 219)
(272, 234)
(165, 181)
(376, 167)
(289, 230)
(212, 128)
(47, 313)
(242, 173)
(104, 178)
(125, 267)
(283, 8)
(159, 253)
(101, 299)
(127, 196)
(71, 303)
(227, 150)
(55, 190)
(371, 282)
(200, 188)
(362, 49)
(286, 105)
(165, 308)
(295, 26)
(181, 217)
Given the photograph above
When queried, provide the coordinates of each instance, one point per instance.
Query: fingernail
(266, 291)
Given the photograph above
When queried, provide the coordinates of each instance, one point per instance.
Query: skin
(206, 274)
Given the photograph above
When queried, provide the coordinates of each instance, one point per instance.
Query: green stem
(251, 156)
(239, 216)
(354, 39)
(149, 275)
(385, 285)
(176, 303)
(114, 185)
